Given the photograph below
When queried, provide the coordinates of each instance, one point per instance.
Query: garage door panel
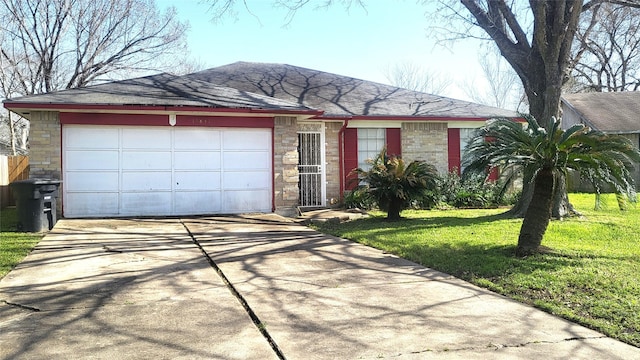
(95, 181)
(156, 171)
(189, 203)
(248, 200)
(257, 139)
(146, 138)
(146, 160)
(197, 180)
(245, 180)
(146, 203)
(85, 138)
(196, 139)
(146, 181)
(92, 159)
(92, 204)
(237, 160)
(197, 160)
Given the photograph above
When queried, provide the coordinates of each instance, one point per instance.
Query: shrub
(474, 191)
(396, 184)
(359, 198)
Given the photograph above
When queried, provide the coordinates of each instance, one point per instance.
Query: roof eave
(23, 108)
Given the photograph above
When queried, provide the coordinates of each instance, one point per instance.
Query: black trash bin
(36, 203)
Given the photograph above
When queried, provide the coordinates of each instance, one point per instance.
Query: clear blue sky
(359, 43)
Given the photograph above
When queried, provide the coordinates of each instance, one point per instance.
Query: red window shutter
(393, 142)
(350, 157)
(454, 149)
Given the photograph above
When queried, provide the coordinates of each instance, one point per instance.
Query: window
(370, 142)
(465, 137)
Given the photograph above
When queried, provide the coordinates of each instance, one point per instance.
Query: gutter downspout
(341, 157)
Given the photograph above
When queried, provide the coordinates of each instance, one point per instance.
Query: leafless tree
(409, 75)
(13, 128)
(58, 44)
(500, 86)
(606, 54)
(221, 9)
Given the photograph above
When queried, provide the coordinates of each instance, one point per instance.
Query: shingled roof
(161, 90)
(614, 112)
(339, 95)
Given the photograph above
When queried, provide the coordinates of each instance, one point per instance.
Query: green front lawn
(590, 276)
(14, 246)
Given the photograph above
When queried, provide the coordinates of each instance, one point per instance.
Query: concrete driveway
(258, 288)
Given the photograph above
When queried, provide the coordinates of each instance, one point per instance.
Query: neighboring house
(609, 112)
(245, 137)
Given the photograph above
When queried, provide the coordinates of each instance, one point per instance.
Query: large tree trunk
(560, 208)
(537, 217)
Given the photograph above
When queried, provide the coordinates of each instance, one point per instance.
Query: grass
(591, 276)
(14, 246)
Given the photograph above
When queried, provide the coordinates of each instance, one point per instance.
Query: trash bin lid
(38, 181)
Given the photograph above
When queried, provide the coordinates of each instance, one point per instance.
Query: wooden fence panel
(17, 169)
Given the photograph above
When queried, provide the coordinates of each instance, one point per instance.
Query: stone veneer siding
(332, 158)
(285, 164)
(427, 142)
(45, 148)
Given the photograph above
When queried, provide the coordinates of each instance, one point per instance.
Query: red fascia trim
(163, 120)
(214, 121)
(113, 119)
(399, 118)
(17, 105)
(453, 137)
(418, 118)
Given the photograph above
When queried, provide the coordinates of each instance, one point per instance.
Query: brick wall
(426, 142)
(285, 163)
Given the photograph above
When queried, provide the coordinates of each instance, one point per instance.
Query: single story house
(609, 112)
(244, 137)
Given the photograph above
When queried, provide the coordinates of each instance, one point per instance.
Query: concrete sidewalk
(114, 289)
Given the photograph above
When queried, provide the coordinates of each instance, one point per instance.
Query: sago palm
(542, 154)
(394, 184)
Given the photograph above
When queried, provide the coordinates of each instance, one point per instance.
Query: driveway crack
(25, 307)
(256, 321)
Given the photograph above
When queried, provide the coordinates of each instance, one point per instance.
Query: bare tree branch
(607, 49)
(408, 75)
(51, 45)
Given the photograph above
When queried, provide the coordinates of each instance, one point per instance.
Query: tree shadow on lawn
(469, 261)
(380, 222)
(461, 258)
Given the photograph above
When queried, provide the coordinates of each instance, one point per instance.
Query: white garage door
(133, 171)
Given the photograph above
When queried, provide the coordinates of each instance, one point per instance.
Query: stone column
(45, 149)
(285, 163)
